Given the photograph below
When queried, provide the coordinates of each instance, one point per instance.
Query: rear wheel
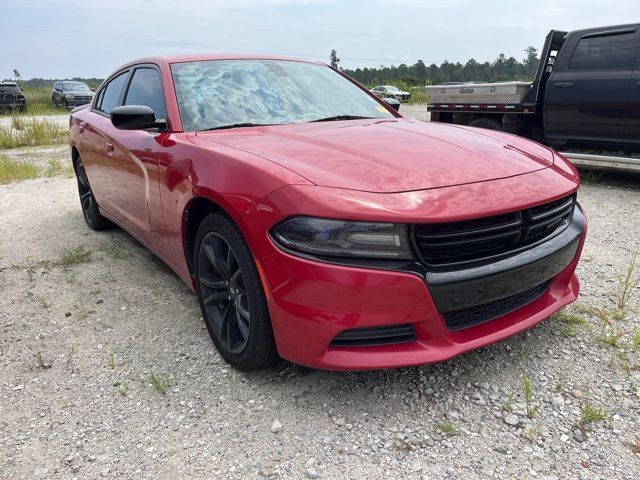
(488, 123)
(90, 210)
(231, 296)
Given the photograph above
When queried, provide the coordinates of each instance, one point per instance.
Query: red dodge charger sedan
(314, 222)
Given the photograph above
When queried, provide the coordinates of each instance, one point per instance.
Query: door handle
(109, 148)
(563, 84)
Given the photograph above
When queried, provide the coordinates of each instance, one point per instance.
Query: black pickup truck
(585, 96)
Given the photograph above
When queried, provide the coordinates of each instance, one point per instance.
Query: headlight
(69, 96)
(337, 238)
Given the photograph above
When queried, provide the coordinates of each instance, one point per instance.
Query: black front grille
(482, 313)
(469, 241)
(368, 337)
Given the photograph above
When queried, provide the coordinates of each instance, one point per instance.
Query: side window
(610, 51)
(146, 89)
(110, 95)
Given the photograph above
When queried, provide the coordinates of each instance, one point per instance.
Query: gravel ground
(85, 335)
(418, 112)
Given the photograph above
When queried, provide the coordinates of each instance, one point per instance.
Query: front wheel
(231, 295)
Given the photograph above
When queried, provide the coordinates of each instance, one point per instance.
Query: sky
(91, 38)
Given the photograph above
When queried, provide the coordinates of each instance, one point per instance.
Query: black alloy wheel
(231, 295)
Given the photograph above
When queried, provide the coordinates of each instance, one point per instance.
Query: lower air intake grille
(482, 313)
(368, 337)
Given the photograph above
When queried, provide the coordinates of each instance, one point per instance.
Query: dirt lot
(90, 322)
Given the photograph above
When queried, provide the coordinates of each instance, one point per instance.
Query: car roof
(201, 57)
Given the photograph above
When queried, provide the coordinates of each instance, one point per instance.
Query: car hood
(385, 156)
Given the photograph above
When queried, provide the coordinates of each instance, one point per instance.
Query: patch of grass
(159, 382)
(111, 362)
(33, 132)
(635, 340)
(532, 433)
(418, 96)
(446, 427)
(527, 387)
(17, 122)
(75, 256)
(592, 413)
(40, 362)
(609, 337)
(16, 170)
(509, 401)
(571, 324)
(627, 282)
(55, 168)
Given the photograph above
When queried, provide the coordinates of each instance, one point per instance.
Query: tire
(88, 204)
(488, 123)
(231, 295)
(64, 103)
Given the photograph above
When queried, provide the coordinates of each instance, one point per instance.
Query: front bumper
(312, 302)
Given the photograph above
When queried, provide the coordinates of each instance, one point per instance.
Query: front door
(586, 101)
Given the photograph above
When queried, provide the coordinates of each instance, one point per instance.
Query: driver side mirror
(393, 103)
(135, 117)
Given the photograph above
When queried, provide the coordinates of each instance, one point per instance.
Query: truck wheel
(488, 123)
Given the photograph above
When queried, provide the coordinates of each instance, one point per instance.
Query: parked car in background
(389, 91)
(69, 94)
(316, 223)
(12, 97)
(584, 99)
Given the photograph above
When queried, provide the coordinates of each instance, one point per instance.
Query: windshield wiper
(236, 125)
(339, 117)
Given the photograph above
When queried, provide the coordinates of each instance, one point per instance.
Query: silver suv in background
(69, 94)
(389, 91)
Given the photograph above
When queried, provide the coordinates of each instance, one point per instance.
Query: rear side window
(112, 93)
(146, 89)
(610, 51)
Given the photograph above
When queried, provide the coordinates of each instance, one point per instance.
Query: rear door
(632, 130)
(586, 99)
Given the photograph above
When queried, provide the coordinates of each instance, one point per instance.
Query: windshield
(218, 93)
(67, 87)
(391, 88)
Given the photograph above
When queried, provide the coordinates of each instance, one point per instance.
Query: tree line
(47, 82)
(501, 69)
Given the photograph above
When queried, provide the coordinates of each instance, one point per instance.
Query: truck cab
(592, 97)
